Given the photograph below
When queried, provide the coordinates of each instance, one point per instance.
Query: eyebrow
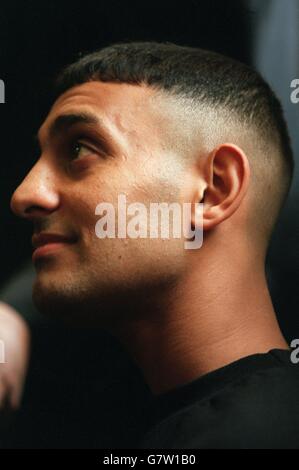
(64, 122)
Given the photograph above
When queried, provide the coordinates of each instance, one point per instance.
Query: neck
(202, 323)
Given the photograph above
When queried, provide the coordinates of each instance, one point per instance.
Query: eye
(79, 150)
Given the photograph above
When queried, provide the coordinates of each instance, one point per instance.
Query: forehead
(119, 105)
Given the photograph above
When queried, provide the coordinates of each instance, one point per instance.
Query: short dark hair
(192, 72)
(207, 77)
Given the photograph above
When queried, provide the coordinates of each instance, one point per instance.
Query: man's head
(157, 123)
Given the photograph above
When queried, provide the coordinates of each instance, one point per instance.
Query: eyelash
(68, 149)
(79, 143)
(73, 148)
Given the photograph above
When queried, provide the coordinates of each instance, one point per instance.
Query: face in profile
(98, 141)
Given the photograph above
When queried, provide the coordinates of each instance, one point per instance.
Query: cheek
(83, 200)
(142, 183)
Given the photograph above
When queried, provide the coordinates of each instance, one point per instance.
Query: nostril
(34, 211)
(31, 209)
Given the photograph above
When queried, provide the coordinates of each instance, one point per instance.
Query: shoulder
(260, 410)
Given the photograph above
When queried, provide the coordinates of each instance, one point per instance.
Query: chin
(52, 297)
(68, 303)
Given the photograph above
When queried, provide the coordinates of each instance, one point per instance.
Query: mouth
(46, 244)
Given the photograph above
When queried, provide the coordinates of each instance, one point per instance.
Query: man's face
(98, 141)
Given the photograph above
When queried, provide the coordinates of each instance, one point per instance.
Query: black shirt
(252, 403)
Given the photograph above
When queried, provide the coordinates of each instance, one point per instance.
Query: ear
(225, 178)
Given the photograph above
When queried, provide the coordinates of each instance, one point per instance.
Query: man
(160, 123)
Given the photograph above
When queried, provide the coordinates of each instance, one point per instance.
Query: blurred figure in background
(14, 359)
(14, 333)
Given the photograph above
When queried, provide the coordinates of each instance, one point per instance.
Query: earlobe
(227, 176)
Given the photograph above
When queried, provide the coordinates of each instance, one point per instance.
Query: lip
(48, 243)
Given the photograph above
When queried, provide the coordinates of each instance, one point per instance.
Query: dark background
(36, 39)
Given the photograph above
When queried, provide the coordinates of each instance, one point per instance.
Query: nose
(37, 195)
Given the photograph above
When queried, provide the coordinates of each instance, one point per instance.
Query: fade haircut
(209, 80)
